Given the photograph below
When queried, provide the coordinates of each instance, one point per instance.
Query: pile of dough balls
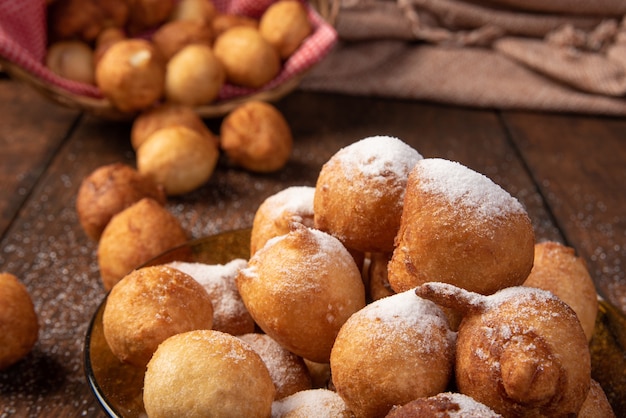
(143, 51)
(397, 286)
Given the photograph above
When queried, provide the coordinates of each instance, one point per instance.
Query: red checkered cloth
(23, 42)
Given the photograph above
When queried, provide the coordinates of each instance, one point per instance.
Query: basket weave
(101, 107)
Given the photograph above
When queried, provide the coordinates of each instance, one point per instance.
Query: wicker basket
(101, 107)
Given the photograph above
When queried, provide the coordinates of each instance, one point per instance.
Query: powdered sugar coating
(313, 403)
(296, 200)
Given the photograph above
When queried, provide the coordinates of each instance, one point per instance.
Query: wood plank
(579, 164)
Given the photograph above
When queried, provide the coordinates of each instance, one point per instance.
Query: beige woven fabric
(558, 55)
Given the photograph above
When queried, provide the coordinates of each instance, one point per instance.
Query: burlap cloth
(555, 55)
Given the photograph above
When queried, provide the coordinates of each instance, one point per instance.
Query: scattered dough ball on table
(310, 404)
(19, 326)
(131, 74)
(207, 373)
(194, 76)
(149, 305)
(360, 190)
(229, 312)
(285, 25)
(256, 136)
(446, 404)
(460, 227)
(288, 371)
(107, 191)
(166, 115)
(521, 351)
(134, 236)
(73, 60)
(275, 214)
(178, 158)
(394, 350)
(175, 35)
(300, 288)
(559, 270)
(203, 10)
(249, 60)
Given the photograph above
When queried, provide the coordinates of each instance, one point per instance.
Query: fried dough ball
(135, 235)
(194, 76)
(249, 60)
(131, 74)
(107, 191)
(285, 25)
(288, 371)
(148, 14)
(460, 227)
(275, 214)
(84, 20)
(149, 305)
(257, 137)
(19, 326)
(300, 288)
(203, 10)
(596, 404)
(175, 35)
(179, 158)
(105, 39)
(446, 404)
(521, 351)
(222, 22)
(378, 284)
(394, 350)
(207, 373)
(311, 403)
(559, 270)
(229, 312)
(166, 115)
(73, 60)
(360, 190)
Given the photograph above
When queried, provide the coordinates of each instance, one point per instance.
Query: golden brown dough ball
(194, 76)
(311, 403)
(203, 10)
(596, 404)
(149, 305)
(178, 158)
(445, 404)
(207, 373)
(257, 137)
(135, 235)
(285, 25)
(222, 22)
(288, 371)
(84, 19)
(249, 60)
(148, 14)
(107, 191)
(394, 350)
(559, 270)
(460, 227)
(131, 74)
(300, 288)
(229, 312)
(166, 115)
(72, 60)
(19, 326)
(360, 190)
(105, 39)
(175, 35)
(275, 214)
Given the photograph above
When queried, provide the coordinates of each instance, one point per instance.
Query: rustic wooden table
(568, 170)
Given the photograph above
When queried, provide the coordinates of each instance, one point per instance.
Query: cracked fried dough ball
(19, 326)
(285, 25)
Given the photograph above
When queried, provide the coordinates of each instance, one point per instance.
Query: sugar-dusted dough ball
(19, 326)
(275, 214)
(461, 228)
(131, 74)
(285, 25)
(179, 158)
(107, 191)
(194, 76)
(445, 404)
(394, 350)
(300, 288)
(559, 270)
(135, 235)
(149, 305)
(360, 190)
(256, 136)
(311, 403)
(596, 403)
(207, 373)
(289, 372)
(249, 60)
(229, 312)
